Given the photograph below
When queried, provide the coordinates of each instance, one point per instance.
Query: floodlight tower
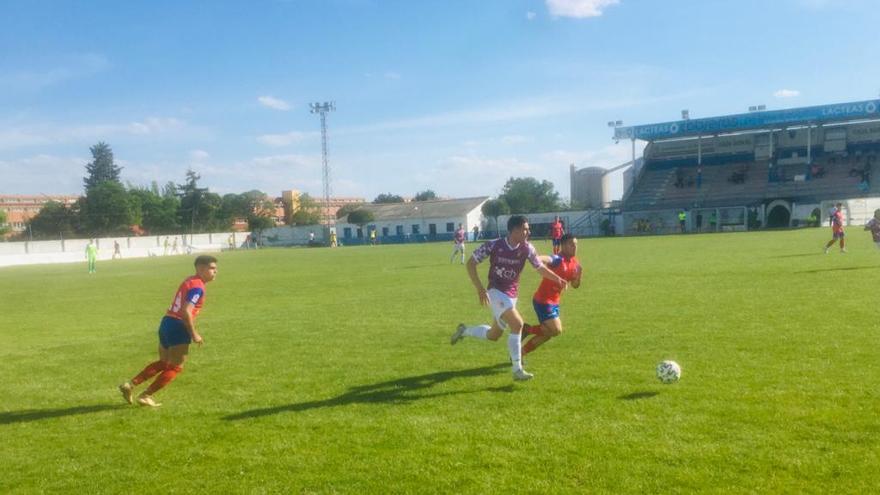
(322, 109)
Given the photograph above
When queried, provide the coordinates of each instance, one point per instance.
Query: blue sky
(454, 96)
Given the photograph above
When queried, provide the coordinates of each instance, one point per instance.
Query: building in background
(20, 209)
(415, 221)
(289, 202)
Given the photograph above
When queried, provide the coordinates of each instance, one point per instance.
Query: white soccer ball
(668, 372)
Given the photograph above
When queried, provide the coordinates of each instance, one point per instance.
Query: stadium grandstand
(765, 168)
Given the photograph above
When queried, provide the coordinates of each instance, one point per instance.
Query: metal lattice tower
(322, 109)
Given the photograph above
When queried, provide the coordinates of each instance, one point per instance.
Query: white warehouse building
(415, 221)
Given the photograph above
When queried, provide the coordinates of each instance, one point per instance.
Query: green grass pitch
(330, 371)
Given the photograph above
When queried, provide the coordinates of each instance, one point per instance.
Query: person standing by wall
(92, 255)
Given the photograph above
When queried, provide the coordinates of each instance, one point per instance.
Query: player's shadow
(399, 391)
(801, 255)
(638, 395)
(841, 269)
(27, 415)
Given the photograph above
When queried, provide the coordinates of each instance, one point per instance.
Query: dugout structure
(764, 168)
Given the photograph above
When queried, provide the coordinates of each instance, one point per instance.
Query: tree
(158, 213)
(527, 195)
(388, 198)
(107, 209)
(191, 196)
(52, 221)
(307, 213)
(3, 227)
(425, 195)
(494, 208)
(361, 217)
(101, 169)
(346, 209)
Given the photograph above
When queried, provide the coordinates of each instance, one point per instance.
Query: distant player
(837, 233)
(176, 331)
(874, 226)
(556, 232)
(92, 256)
(507, 258)
(458, 240)
(546, 298)
(117, 252)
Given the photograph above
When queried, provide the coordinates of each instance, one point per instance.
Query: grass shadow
(399, 391)
(638, 395)
(28, 415)
(845, 268)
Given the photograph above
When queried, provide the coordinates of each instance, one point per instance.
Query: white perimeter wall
(73, 250)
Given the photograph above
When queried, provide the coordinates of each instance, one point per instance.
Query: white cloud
(286, 139)
(273, 103)
(153, 125)
(578, 9)
(71, 67)
(531, 15)
(516, 139)
(199, 155)
(43, 174)
(43, 135)
(270, 174)
(787, 93)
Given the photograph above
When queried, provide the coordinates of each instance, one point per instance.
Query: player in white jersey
(874, 226)
(458, 242)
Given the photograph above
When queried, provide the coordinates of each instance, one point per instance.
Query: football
(668, 372)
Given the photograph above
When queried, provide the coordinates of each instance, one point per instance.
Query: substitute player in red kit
(837, 229)
(176, 332)
(547, 297)
(556, 232)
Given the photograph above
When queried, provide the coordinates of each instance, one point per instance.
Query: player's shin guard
(165, 378)
(150, 371)
(513, 346)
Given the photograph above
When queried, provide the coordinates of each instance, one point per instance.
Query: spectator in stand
(682, 220)
(713, 221)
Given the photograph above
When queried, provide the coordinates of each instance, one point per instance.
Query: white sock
(478, 331)
(514, 341)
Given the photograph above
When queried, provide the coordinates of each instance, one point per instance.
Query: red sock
(529, 347)
(165, 378)
(149, 372)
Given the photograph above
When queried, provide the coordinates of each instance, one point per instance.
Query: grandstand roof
(822, 114)
(441, 208)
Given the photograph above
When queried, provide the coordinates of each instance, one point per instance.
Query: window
(384, 231)
(346, 232)
(432, 228)
(450, 227)
(399, 230)
(415, 228)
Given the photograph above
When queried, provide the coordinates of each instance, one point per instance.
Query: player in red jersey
(176, 332)
(836, 220)
(556, 232)
(546, 298)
